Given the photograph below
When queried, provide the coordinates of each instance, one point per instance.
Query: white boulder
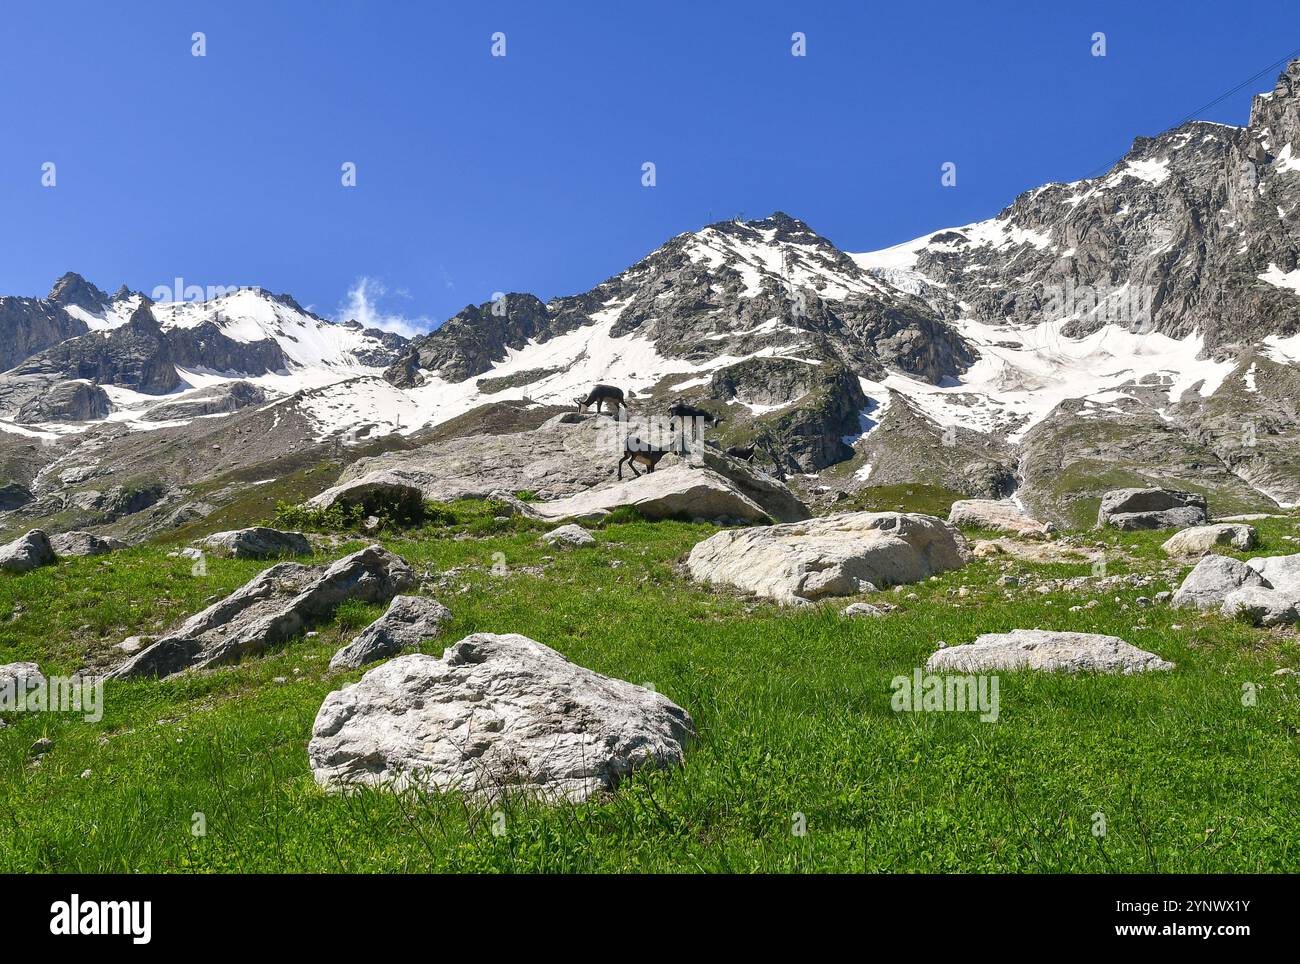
(495, 715)
(1048, 651)
(839, 555)
(1199, 540)
(998, 515)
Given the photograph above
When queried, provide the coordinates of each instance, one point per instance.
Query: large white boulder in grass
(1280, 572)
(1262, 607)
(1264, 590)
(257, 542)
(677, 492)
(1213, 579)
(838, 555)
(271, 608)
(496, 714)
(1199, 540)
(29, 551)
(998, 515)
(1048, 651)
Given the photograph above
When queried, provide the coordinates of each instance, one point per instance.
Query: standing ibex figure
(598, 396)
(635, 450)
(681, 410)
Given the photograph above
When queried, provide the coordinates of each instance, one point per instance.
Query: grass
(792, 709)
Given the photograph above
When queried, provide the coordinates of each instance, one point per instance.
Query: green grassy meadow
(800, 763)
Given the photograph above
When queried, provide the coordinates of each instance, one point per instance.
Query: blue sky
(478, 174)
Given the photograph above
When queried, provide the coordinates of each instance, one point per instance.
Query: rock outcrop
(409, 621)
(569, 455)
(679, 492)
(14, 496)
(496, 715)
(1046, 651)
(273, 607)
(1151, 509)
(218, 400)
(1213, 579)
(836, 555)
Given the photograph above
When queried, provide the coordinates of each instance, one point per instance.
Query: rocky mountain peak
(1275, 116)
(73, 289)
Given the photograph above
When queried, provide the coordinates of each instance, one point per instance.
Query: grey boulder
(409, 621)
(1199, 540)
(77, 544)
(1048, 651)
(1213, 579)
(257, 542)
(839, 555)
(1131, 509)
(27, 552)
(495, 715)
(570, 535)
(269, 609)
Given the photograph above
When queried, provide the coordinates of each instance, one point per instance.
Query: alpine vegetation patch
(924, 692)
(53, 694)
(75, 917)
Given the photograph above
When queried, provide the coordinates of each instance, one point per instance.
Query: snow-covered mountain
(1140, 326)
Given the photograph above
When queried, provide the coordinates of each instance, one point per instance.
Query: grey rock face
(220, 399)
(207, 346)
(136, 355)
(1151, 509)
(497, 715)
(1201, 539)
(27, 552)
(76, 544)
(13, 496)
(257, 542)
(1047, 651)
(567, 455)
(66, 401)
(570, 535)
(1212, 580)
(274, 606)
(838, 555)
(29, 326)
(409, 621)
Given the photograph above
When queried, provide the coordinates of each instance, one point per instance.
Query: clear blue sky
(479, 174)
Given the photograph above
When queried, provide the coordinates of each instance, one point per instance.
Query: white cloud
(363, 306)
